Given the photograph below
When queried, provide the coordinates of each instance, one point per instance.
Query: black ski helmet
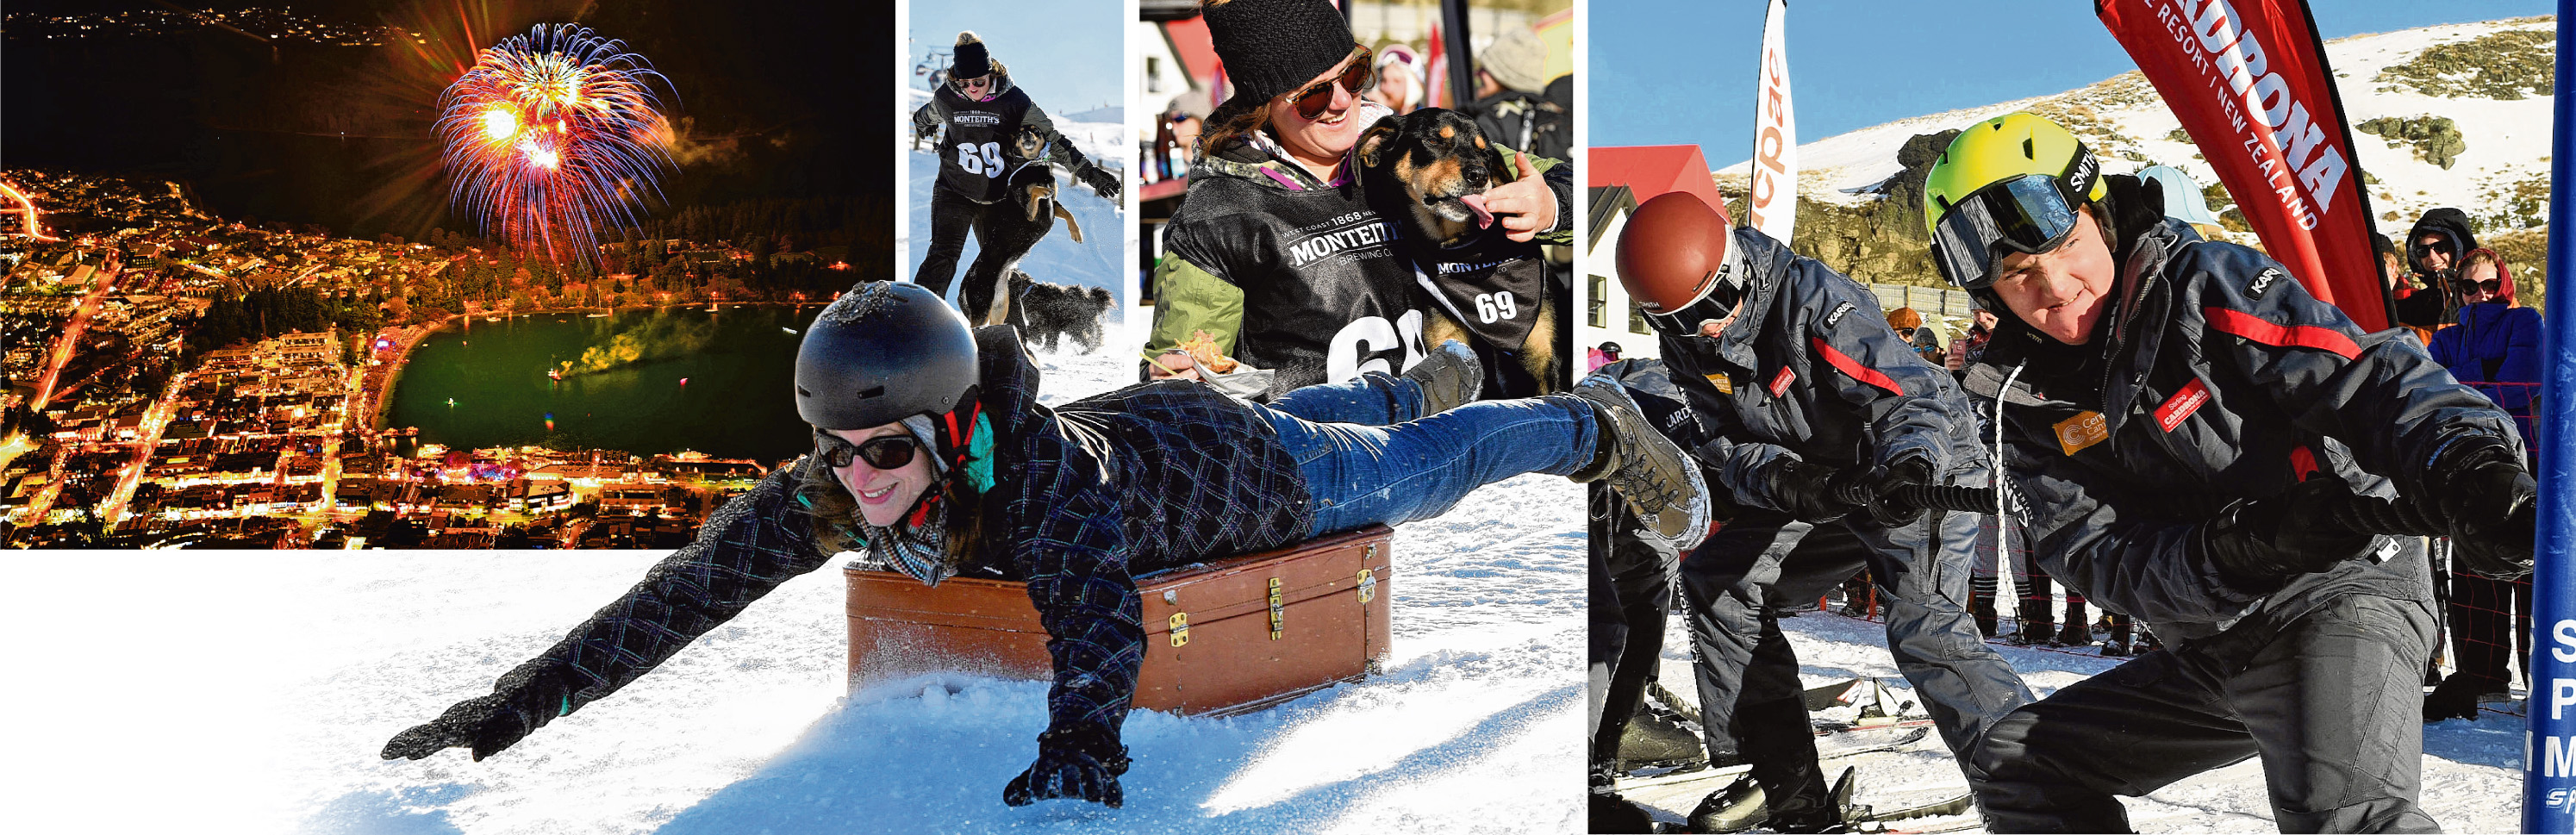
(882, 353)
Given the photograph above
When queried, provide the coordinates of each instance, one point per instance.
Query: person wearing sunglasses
(2495, 348)
(1274, 252)
(2434, 247)
(978, 116)
(2180, 416)
(935, 457)
(1814, 413)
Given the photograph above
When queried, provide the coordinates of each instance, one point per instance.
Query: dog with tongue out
(1429, 170)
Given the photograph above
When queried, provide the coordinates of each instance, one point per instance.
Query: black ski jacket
(978, 156)
(2215, 377)
(1811, 369)
(1083, 498)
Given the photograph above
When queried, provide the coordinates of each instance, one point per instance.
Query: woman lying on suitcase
(933, 457)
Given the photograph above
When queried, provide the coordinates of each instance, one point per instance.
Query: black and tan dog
(1430, 170)
(1037, 194)
(1059, 311)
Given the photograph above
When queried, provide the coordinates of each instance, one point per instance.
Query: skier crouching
(934, 457)
(2184, 418)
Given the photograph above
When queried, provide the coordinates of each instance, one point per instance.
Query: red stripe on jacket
(1854, 368)
(2265, 331)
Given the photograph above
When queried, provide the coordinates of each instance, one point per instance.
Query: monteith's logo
(975, 118)
(1319, 247)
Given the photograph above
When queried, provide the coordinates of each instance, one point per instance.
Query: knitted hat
(1517, 59)
(972, 61)
(1275, 46)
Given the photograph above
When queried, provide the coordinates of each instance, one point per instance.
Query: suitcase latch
(1278, 610)
(1368, 585)
(1180, 628)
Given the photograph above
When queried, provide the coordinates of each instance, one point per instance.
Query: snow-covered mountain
(2489, 79)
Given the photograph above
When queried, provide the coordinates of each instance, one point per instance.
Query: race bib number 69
(985, 159)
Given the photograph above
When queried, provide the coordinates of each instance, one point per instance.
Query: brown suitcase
(1227, 637)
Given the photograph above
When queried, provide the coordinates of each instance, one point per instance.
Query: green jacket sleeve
(1188, 298)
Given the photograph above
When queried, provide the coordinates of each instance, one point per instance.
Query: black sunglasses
(960, 83)
(2464, 286)
(1312, 101)
(884, 452)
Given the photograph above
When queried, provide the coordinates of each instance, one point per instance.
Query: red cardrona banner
(2249, 80)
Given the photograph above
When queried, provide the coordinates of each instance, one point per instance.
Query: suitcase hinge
(1180, 628)
(1278, 610)
(1368, 583)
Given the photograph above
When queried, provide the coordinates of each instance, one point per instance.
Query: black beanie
(972, 61)
(1275, 46)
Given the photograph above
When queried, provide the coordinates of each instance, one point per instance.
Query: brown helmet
(1672, 259)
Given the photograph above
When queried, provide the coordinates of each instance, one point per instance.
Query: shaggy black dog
(1058, 310)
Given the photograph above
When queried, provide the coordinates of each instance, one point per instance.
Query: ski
(1677, 778)
(1955, 805)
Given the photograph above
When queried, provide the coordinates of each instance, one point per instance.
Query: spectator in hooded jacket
(2495, 348)
(2434, 248)
(2418, 308)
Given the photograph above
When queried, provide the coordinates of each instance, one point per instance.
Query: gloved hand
(2259, 545)
(923, 133)
(1083, 762)
(2487, 500)
(520, 702)
(1805, 490)
(1885, 507)
(1102, 181)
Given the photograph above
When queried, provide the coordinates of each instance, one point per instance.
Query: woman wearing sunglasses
(1274, 252)
(934, 457)
(982, 115)
(2495, 348)
(2179, 414)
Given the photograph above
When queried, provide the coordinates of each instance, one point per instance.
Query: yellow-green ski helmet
(2008, 184)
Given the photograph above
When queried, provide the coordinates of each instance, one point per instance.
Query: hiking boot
(2116, 649)
(1450, 377)
(1653, 741)
(2076, 634)
(2034, 633)
(1737, 807)
(2457, 697)
(1661, 483)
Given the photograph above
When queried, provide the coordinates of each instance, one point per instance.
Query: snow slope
(2472, 779)
(250, 692)
(2508, 141)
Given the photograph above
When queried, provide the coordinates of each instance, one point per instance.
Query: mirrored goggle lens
(884, 452)
(2026, 214)
(1312, 101)
(1715, 307)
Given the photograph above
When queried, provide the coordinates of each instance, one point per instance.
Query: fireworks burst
(552, 136)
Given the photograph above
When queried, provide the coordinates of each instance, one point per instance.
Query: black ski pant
(1003, 231)
(1632, 592)
(2331, 700)
(1734, 581)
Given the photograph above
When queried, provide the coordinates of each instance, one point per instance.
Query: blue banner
(2549, 751)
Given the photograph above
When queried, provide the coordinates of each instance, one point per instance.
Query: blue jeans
(1367, 460)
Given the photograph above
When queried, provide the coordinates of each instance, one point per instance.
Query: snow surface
(2472, 772)
(2508, 141)
(250, 692)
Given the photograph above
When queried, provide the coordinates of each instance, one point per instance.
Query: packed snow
(250, 692)
(2472, 773)
(2508, 141)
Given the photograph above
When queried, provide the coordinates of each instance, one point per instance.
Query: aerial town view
(363, 291)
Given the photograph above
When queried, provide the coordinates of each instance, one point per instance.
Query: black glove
(1079, 762)
(2487, 500)
(518, 704)
(921, 133)
(1884, 506)
(1805, 490)
(1101, 181)
(2258, 545)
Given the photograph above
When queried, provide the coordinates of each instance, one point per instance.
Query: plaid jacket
(1085, 497)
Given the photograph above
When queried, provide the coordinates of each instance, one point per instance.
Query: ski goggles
(1725, 290)
(2030, 214)
(1360, 75)
(884, 452)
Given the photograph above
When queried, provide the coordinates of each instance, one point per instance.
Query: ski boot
(1450, 377)
(1738, 807)
(1612, 813)
(1653, 740)
(1661, 483)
